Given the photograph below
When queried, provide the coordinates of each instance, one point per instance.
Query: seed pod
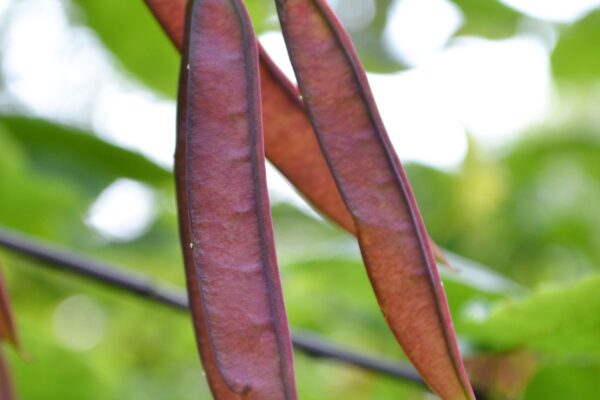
(225, 223)
(171, 16)
(290, 143)
(8, 332)
(392, 237)
(6, 389)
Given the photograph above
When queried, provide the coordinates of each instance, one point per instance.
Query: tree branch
(141, 286)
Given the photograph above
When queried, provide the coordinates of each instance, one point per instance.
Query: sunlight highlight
(418, 29)
(123, 211)
(79, 323)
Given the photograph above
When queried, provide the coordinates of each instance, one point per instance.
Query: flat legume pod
(289, 140)
(7, 325)
(7, 334)
(233, 280)
(392, 237)
(290, 143)
(6, 388)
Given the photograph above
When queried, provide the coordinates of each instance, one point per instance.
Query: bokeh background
(492, 105)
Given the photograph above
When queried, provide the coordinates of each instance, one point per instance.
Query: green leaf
(130, 31)
(52, 173)
(574, 381)
(263, 15)
(559, 320)
(47, 206)
(550, 218)
(576, 55)
(489, 18)
(370, 42)
(530, 214)
(76, 156)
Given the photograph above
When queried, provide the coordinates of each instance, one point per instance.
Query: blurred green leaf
(43, 206)
(130, 31)
(576, 57)
(530, 214)
(559, 320)
(263, 15)
(53, 174)
(551, 219)
(370, 42)
(489, 18)
(79, 157)
(573, 381)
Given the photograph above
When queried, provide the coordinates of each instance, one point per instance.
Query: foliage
(571, 58)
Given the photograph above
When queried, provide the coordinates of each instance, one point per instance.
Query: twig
(117, 278)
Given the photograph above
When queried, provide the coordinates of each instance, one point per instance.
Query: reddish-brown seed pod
(226, 232)
(392, 237)
(8, 331)
(290, 143)
(6, 389)
(171, 16)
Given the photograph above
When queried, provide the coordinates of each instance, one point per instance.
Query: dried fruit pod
(290, 143)
(171, 16)
(392, 237)
(8, 331)
(6, 389)
(226, 231)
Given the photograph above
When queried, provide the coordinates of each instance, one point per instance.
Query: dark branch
(136, 284)
(315, 346)
(94, 270)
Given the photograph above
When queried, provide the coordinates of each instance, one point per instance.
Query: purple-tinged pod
(393, 240)
(224, 214)
(8, 332)
(6, 386)
(290, 143)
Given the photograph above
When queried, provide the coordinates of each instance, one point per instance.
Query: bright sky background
(494, 90)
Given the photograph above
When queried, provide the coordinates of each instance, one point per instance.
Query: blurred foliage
(576, 56)
(528, 213)
(489, 18)
(130, 31)
(568, 311)
(369, 39)
(76, 155)
(561, 325)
